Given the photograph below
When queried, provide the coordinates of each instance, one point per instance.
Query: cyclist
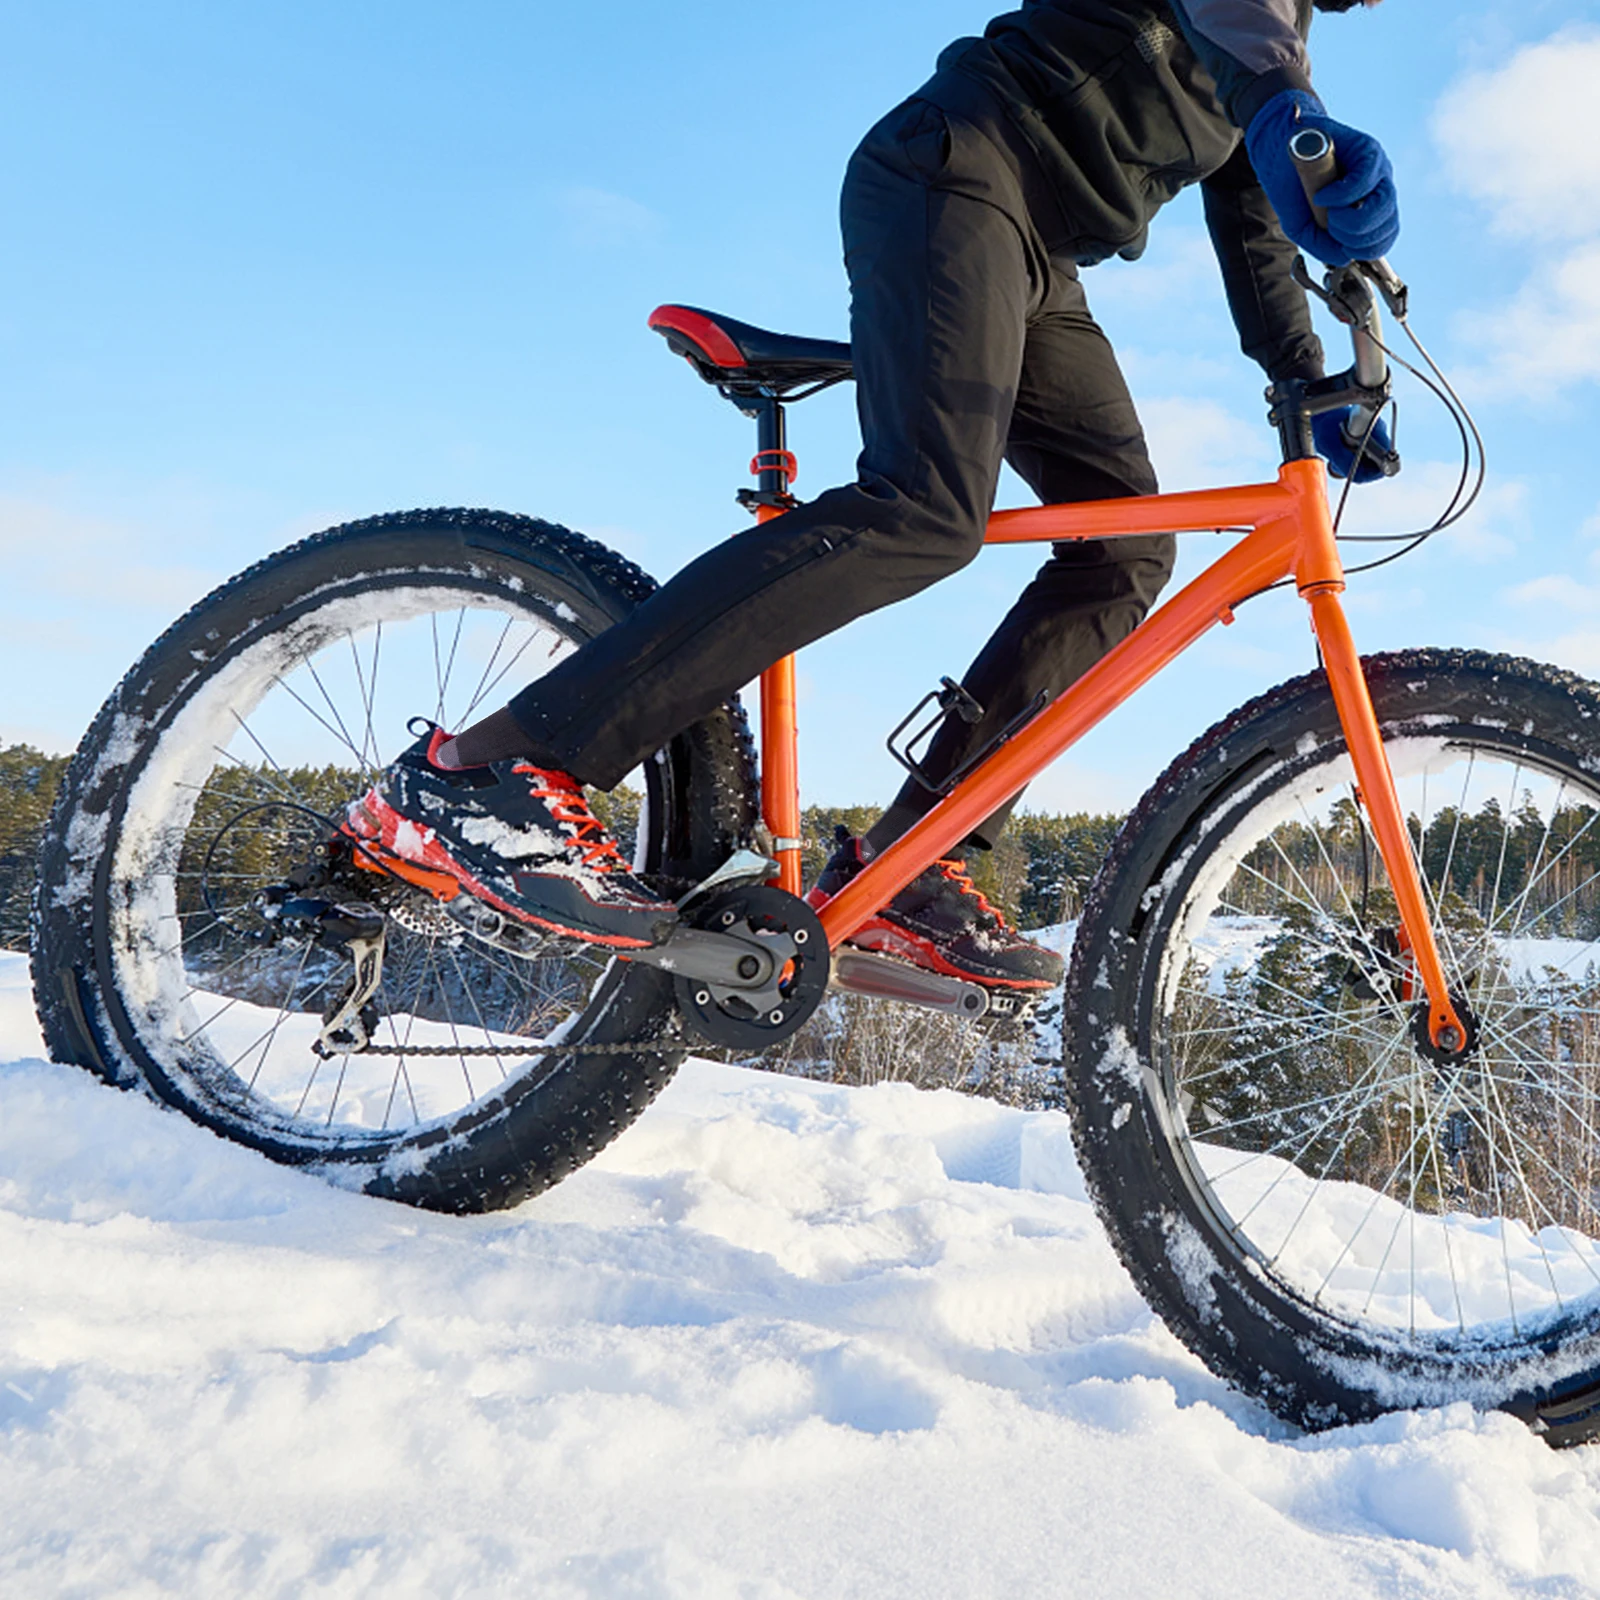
(1044, 146)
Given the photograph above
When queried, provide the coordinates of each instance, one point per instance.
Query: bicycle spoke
(489, 688)
(337, 727)
(277, 1023)
(369, 737)
(366, 691)
(1380, 1192)
(483, 677)
(1296, 1084)
(1362, 1086)
(443, 674)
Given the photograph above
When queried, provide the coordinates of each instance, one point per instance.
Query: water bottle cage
(950, 700)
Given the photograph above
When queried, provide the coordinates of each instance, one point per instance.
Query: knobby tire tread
(523, 1155)
(1569, 1415)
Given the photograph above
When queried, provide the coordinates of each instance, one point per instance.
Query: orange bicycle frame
(1291, 537)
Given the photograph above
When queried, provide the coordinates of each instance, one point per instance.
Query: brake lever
(1396, 296)
(1301, 274)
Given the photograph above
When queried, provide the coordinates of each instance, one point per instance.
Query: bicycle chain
(652, 1047)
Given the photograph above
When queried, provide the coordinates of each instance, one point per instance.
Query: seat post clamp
(775, 461)
(754, 499)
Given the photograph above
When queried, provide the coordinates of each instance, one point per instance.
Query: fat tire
(540, 1125)
(1310, 1367)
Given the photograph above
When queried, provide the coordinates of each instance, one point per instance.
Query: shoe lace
(956, 872)
(589, 836)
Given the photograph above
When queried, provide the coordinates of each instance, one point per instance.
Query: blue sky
(269, 268)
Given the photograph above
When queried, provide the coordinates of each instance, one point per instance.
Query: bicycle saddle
(724, 351)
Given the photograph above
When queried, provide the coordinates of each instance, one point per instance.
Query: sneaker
(943, 922)
(518, 837)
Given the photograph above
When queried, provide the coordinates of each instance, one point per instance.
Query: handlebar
(1312, 153)
(1347, 292)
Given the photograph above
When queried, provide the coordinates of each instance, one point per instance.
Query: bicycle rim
(239, 787)
(1447, 1202)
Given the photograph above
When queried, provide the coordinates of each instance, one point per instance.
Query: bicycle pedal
(1011, 1012)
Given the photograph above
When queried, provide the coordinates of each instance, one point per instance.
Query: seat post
(780, 741)
(773, 465)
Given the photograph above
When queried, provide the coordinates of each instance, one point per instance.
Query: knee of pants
(946, 539)
(1138, 566)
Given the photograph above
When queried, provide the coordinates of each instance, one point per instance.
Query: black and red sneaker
(943, 922)
(518, 837)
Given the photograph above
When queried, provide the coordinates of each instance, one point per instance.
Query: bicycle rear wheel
(214, 769)
(1331, 1216)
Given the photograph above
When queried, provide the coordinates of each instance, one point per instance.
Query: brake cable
(1462, 498)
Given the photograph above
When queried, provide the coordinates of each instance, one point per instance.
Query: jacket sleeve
(1269, 308)
(1253, 48)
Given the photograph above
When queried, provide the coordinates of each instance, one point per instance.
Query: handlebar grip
(1315, 160)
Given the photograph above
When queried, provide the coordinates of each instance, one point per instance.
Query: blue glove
(1363, 209)
(1327, 433)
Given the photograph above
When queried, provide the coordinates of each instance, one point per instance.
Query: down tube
(1261, 559)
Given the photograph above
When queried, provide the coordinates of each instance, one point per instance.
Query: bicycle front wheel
(215, 771)
(1330, 1214)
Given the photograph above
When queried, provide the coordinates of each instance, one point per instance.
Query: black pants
(971, 345)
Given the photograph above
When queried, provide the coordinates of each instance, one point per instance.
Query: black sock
(500, 737)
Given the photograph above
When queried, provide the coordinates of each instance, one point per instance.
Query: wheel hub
(1447, 1053)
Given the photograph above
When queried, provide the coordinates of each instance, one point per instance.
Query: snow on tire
(1332, 1219)
(209, 772)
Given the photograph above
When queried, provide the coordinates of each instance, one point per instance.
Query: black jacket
(1116, 105)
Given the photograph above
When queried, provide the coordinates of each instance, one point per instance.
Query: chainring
(786, 928)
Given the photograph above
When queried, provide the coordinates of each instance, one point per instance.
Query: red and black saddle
(733, 354)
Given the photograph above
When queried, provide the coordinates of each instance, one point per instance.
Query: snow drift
(780, 1340)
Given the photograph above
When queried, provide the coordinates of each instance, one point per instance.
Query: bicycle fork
(1320, 578)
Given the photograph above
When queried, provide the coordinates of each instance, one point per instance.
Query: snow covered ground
(781, 1340)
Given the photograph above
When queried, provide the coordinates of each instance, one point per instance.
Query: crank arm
(723, 959)
(884, 978)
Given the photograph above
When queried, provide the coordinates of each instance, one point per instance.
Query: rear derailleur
(347, 928)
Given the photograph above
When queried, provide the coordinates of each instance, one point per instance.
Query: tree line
(1546, 863)
(28, 782)
(1259, 1054)
(1037, 874)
